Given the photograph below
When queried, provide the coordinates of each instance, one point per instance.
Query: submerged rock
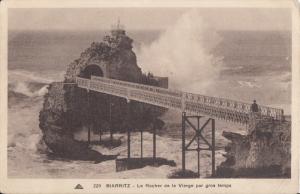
(135, 163)
(180, 174)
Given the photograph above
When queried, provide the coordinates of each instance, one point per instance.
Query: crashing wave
(23, 83)
(27, 89)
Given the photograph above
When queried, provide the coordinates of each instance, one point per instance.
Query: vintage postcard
(149, 96)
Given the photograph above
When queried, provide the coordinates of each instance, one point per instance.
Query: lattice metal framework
(209, 143)
(195, 104)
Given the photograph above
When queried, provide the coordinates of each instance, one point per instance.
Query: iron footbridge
(194, 108)
(195, 104)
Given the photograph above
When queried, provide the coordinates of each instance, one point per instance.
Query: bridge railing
(174, 93)
(220, 108)
(241, 107)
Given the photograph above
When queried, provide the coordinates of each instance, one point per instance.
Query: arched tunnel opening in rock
(100, 111)
(96, 104)
(91, 70)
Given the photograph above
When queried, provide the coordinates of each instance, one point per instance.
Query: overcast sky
(146, 18)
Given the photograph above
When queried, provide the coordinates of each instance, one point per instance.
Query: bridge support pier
(89, 117)
(141, 143)
(128, 127)
(89, 134)
(198, 136)
(110, 121)
(128, 143)
(100, 136)
(154, 142)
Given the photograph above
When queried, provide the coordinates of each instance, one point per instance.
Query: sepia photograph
(149, 92)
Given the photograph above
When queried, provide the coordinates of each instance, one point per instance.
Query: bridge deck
(218, 108)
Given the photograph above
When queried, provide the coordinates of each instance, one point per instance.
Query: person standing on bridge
(254, 107)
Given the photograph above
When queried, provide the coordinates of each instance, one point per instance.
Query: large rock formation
(263, 152)
(68, 108)
(114, 57)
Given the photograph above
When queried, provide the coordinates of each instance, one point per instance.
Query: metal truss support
(183, 141)
(198, 136)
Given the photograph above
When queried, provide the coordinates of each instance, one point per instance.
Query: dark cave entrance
(95, 103)
(91, 70)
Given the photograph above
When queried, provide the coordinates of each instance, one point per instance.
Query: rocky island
(68, 109)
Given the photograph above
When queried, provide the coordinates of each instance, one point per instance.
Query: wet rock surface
(263, 153)
(180, 174)
(68, 109)
(135, 163)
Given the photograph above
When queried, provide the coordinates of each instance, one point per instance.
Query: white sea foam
(31, 84)
(23, 88)
(182, 53)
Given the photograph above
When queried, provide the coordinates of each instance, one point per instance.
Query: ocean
(241, 65)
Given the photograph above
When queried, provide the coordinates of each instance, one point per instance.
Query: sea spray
(182, 53)
(22, 83)
(24, 88)
(24, 133)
